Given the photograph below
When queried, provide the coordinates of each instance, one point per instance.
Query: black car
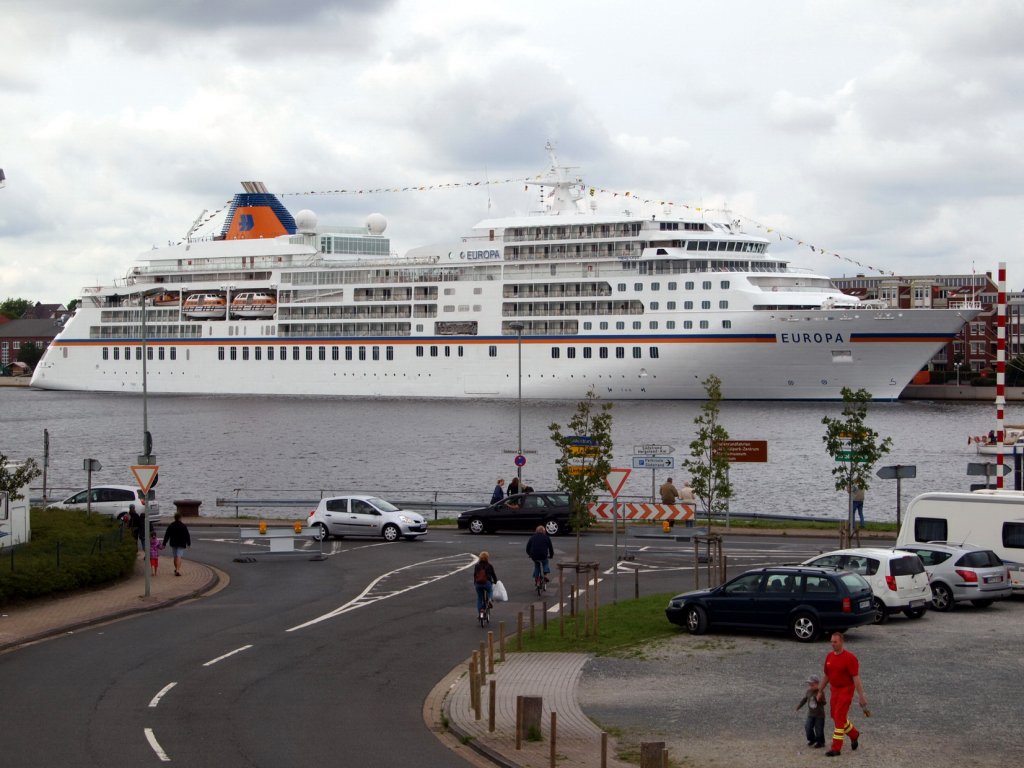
(521, 512)
(801, 600)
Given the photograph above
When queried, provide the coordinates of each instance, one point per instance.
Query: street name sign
(653, 450)
(985, 469)
(897, 471)
(654, 462)
(743, 450)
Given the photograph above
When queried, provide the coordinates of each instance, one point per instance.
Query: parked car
(800, 600)
(364, 516)
(113, 500)
(898, 579)
(521, 512)
(959, 572)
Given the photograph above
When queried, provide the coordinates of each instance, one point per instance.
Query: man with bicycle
(540, 550)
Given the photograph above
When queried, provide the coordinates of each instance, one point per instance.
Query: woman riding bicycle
(540, 549)
(484, 580)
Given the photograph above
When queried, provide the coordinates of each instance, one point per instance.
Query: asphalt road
(297, 662)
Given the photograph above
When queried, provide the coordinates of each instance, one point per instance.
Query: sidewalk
(45, 618)
(552, 676)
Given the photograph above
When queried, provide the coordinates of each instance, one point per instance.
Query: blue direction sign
(580, 440)
(654, 462)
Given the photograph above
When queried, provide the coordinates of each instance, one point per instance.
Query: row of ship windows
(689, 285)
(654, 325)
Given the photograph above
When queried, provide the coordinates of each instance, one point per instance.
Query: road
(298, 661)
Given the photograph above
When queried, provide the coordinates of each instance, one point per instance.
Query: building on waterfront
(16, 333)
(974, 349)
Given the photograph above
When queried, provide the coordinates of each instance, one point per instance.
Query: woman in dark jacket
(484, 580)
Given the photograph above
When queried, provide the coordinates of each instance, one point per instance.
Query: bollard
(490, 652)
(664, 758)
(501, 641)
(491, 697)
(604, 749)
(519, 631)
(474, 690)
(482, 657)
(519, 722)
(651, 754)
(544, 620)
(532, 711)
(636, 583)
(554, 737)
(533, 620)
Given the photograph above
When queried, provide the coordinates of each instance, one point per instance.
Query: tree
(12, 481)
(29, 354)
(710, 468)
(584, 459)
(855, 447)
(15, 308)
(73, 305)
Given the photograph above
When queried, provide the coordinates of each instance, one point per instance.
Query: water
(207, 447)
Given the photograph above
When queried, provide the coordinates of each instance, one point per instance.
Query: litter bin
(188, 507)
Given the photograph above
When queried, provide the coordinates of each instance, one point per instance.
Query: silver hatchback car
(960, 572)
(364, 516)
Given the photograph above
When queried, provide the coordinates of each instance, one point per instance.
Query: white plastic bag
(500, 594)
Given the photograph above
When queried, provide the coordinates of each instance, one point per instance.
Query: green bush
(69, 550)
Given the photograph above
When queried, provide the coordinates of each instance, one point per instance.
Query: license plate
(993, 579)
(865, 603)
(916, 603)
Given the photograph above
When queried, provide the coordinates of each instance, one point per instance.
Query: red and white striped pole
(1000, 369)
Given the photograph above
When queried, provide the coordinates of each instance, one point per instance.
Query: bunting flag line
(591, 191)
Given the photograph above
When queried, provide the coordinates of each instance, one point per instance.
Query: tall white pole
(145, 445)
(1000, 370)
(519, 349)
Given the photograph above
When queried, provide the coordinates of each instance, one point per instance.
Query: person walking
(178, 537)
(842, 671)
(540, 550)
(484, 579)
(858, 503)
(814, 724)
(154, 550)
(499, 491)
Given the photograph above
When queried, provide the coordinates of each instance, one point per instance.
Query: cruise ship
(631, 305)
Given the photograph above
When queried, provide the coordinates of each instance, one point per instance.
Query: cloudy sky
(888, 135)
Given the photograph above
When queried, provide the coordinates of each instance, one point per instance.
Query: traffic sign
(615, 479)
(897, 471)
(653, 450)
(592, 451)
(580, 440)
(654, 462)
(520, 460)
(985, 469)
(743, 450)
(849, 456)
(144, 476)
(579, 469)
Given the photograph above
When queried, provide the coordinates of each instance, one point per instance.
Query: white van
(991, 519)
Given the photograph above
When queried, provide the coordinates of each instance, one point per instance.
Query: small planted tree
(584, 459)
(854, 446)
(709, 468)
(13, 480)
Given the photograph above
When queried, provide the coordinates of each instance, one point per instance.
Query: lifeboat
(205, 306)
(253, 304)
(166, 299)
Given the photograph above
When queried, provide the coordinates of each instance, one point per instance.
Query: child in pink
(154, 551)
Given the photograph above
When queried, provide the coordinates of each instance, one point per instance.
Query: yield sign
(144, 477)
(616, 479)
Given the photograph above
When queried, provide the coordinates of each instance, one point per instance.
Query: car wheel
(981, 603)
(881, 612)
(696, 620)
(804, 627)
(476, 525)
(942, 597)
(553, 527)
(915, 613)
(391, 533)
(320, 532)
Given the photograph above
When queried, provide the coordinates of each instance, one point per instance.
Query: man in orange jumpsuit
(842, 670)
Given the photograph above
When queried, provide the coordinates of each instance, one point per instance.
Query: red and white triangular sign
(615, 479)
(144, 477)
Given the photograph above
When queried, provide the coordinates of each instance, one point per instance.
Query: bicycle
(484, 614)
(540, 580)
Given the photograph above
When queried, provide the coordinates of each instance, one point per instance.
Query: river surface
(214, 447)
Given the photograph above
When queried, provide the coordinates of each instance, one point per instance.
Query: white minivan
(112, 500)
(898, 579)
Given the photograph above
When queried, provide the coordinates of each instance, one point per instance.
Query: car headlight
(406, 519)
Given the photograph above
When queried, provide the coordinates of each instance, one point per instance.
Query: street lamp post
(146, 458)
(518, 328)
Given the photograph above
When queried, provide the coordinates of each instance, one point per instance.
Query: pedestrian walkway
(45, 618)
(552, 676)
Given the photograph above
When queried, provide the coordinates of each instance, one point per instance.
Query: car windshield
(906, 566)
(383, 506)
(982, 558)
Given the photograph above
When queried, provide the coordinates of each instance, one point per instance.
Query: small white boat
(166, 299)
(205, 306)
(253, 304)
(986, 445)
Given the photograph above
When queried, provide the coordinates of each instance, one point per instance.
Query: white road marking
(164, 690)
(156, 746)
(211, 662)
(365, 597)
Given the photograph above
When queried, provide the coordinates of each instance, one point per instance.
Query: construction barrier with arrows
(643, 511)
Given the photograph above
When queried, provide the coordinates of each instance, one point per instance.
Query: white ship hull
(632, 306)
